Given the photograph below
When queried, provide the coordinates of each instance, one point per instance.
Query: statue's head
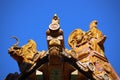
(55, 23)
(24, 53)
(75, 37)
(93, 24)
(15, 53)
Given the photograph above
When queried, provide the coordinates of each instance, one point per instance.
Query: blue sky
(29, 19)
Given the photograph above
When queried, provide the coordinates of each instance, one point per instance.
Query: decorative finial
(55, 14)
(55, 19)
(55, 23)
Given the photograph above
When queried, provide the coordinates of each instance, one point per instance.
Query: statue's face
(79, 37)
(93, 24)
(16, 54)
(15, 51)
(75, 37)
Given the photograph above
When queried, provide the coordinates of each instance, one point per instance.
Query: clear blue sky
(28, 19)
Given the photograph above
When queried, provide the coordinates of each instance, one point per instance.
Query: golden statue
(25, 56)
(89, 49)
(57, 63)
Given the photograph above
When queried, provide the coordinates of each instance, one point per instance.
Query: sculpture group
(57, 63)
